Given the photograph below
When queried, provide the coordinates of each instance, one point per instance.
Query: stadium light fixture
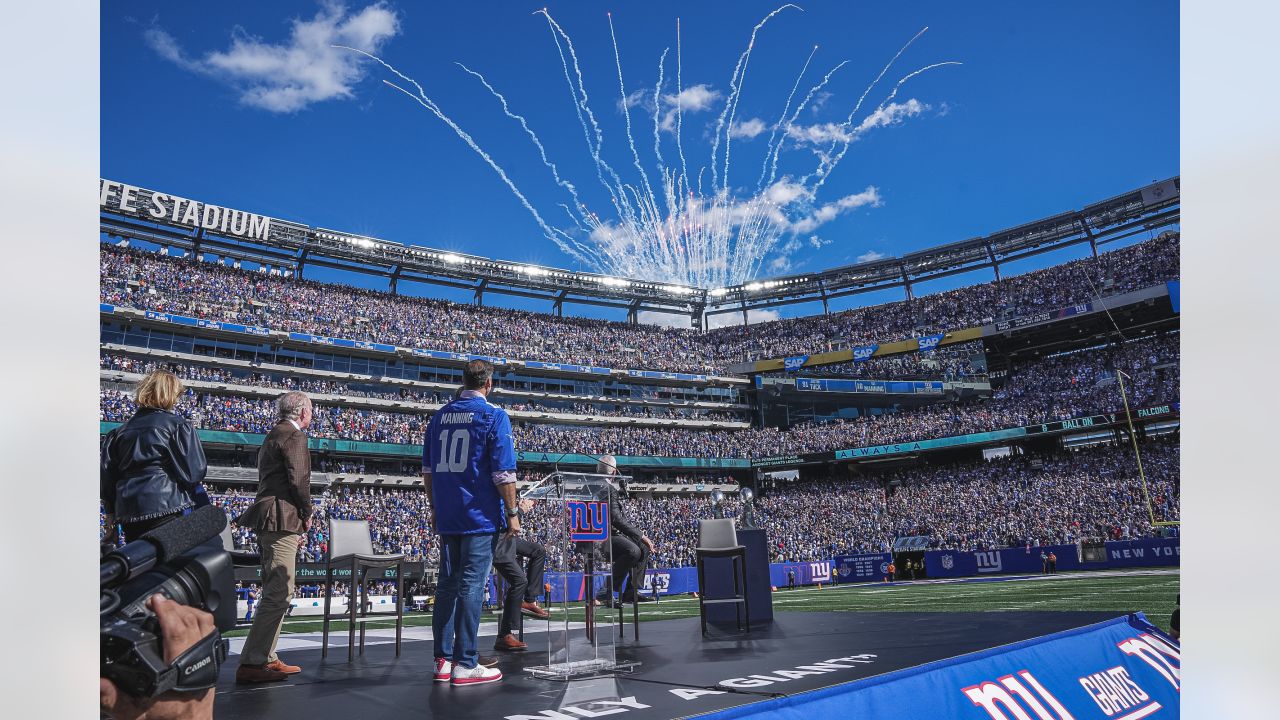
(753, 287)
(451, 258)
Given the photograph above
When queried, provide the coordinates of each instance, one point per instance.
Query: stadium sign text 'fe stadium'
(163, 207)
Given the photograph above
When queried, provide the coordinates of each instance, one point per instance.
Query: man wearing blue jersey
(468, 467)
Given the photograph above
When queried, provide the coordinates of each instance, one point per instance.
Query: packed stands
(1059, 498)
(150, 281)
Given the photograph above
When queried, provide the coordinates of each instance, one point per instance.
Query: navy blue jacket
(152, 466)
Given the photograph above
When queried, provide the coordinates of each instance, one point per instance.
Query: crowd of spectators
(1113, 273)
(370, 389)
(961, 361)
(1059, 498)
(1090, 494)
(212, 291)
(1055, 388)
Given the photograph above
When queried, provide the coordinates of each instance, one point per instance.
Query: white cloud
(823, 133)
(870, 255)
(832, 210)
(635, 99)
(682, 322)
(304, 69)
(735, 318)
(784, 192)
(818, 243)
(748, 128)
(670, 320)
(779, 265)
(692, 99)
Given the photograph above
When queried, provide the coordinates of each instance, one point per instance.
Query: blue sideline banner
(1144, 553)
(873, 567)
(1147, 552)
(1175, 295)
(1123, 669)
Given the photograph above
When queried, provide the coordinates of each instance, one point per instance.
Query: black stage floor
(675, 659)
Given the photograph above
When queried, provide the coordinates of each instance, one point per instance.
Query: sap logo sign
(821, 571)
(795, 362)
(656, 581)
(929, 342)
(989, 561)
(588, 520)
(861, 354)
(1021, 694)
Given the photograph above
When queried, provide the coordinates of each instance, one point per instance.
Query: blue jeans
(464, 572)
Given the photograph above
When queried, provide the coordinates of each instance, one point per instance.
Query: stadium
(918, 457)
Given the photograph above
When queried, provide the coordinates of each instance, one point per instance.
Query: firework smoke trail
(777, 150)
(830, 166)
(657, 99)
(848, 122)
(626, 110)
(764, 166)
(623, 208)
(533, 137)
(426, 102)
(674, 234)
(684, 167)
(731, 102)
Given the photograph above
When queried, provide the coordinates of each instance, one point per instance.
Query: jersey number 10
(455, 447)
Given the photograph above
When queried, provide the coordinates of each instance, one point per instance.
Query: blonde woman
(152, 466)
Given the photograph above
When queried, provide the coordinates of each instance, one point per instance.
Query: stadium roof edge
(162, 218)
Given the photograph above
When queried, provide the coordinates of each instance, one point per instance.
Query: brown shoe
(510, 643)
(532, 609)
(487, 661)
(280, 666)
(258, 674)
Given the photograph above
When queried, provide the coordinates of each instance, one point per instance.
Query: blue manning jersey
(467, 441)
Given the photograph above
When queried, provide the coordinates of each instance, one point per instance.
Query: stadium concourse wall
(1147, 552)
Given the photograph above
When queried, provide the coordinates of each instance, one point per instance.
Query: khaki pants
(279, 557)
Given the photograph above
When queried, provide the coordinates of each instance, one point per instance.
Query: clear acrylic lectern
(578, 534)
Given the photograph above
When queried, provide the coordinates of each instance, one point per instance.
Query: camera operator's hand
(180, 628)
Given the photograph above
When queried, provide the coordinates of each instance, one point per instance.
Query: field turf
(1153, 592)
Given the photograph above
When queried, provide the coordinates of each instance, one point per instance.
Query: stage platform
(681, 673)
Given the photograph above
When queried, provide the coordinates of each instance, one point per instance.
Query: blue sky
(244, 105)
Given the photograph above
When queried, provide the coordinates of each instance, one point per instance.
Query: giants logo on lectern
(1017, 694)
(588, 520)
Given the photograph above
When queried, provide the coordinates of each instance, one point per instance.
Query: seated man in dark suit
(630, 547)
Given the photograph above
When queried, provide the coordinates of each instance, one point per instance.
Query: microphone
(161, 545)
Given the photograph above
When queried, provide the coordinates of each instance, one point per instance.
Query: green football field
(1153, 592)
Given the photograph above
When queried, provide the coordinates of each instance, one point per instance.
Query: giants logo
(1160, 655)
(1017, 696)
(989, 561)
(821, 571)
(588, 520)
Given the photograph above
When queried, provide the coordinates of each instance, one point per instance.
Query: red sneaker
(444, 669)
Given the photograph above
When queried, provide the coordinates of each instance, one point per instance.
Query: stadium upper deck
(166, 219)
(212, 291)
